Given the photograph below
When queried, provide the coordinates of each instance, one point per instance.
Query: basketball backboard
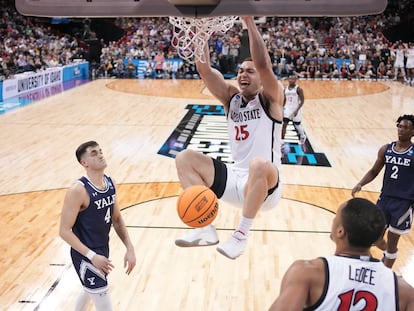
(198, 8)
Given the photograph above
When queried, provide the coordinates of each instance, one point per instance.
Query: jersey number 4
(108, 215)
(351, 298)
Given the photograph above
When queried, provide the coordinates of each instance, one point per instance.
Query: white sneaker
(302, 139)
(234, 246)
(285, 147)
(199, 237)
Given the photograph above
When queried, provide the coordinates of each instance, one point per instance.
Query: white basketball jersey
(410, 58)
(292, 98)
(253, 132)
(399, 58)
(358, 284)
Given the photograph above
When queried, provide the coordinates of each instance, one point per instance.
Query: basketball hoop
(190, 35)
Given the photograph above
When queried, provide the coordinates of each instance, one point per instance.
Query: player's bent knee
(183, 156)
(258, 166)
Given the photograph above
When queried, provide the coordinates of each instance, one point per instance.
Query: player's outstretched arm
(214, 80)
(272, 87)
(373, 172)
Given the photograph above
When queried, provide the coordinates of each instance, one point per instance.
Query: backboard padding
(162, 8)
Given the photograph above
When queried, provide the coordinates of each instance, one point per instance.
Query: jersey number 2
(350, 298)
(394, 173)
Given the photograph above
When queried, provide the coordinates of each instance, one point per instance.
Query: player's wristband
(90, 254)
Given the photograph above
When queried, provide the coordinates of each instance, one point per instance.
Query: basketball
(197, 206)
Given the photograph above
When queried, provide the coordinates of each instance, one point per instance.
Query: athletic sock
(245, 225)
(300, 130)
(82, 302)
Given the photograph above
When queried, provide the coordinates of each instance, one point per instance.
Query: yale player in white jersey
(89, 210)
(350, 280)
(397, 193)
(254, 115)
(294, 101)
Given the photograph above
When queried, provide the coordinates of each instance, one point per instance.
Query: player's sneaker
(285, 147)
(199, 237)
(302, 139)
(234, 246)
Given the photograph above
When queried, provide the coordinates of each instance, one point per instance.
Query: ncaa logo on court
(204, 129)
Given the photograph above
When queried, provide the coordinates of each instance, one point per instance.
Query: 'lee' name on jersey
(396, 160)
(104, 202)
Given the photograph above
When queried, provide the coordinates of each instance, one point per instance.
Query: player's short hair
(247, 59)
(408, 117)
(80, 151)
(363, 221)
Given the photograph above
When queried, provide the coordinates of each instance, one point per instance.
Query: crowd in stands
(325, 48)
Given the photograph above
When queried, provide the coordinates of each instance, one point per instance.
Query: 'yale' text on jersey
(397, 160)
(104, 202)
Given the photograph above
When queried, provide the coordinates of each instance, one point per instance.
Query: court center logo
(204, 129)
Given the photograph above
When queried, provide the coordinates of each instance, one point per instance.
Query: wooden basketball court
(131, 119)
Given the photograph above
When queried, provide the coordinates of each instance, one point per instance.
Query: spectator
(130, 69)
(290, 39)
(119, 70)
(382, 71)
(343, 71)
(159, 60)
(149, 70)
(363, 71)
(352, 71)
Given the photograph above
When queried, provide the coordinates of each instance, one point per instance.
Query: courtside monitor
(198, 8)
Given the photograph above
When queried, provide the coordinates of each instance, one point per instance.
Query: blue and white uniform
(92, 227)
(397, 193)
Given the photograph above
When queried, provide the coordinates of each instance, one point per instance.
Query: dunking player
(294, 101)
(397, 193)
(254, 116)
(351, 279)
(89, 210)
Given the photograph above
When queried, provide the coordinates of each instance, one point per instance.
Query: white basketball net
(190, 35)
